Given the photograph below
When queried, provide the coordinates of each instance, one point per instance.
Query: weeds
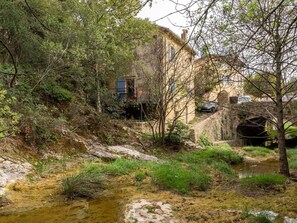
(87, 183)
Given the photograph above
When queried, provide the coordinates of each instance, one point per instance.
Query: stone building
(162, 75)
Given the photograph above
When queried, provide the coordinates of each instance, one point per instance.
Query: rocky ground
(38, 197)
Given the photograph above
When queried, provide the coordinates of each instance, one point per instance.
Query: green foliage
(140, 176)
(88, 183)
(8, 118)
(59, 94)
(292, 157)
(180, 133)
(223, 168)
(261, 218)
(38, 126)
(265, 180)
(174, 177)
(216, 153)
(256, 150)
(258, 83)
(204, 141)
(121, 167)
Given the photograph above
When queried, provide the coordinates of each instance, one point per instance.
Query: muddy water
(106, 209)
(254, 168)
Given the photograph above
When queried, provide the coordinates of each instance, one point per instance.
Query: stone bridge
(241, 123)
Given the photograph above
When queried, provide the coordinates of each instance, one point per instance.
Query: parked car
(244, 99)
(211, 106)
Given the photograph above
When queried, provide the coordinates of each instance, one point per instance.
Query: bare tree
(263, 35)
(165, 76)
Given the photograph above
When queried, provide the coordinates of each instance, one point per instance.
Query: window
(121, 89)
(171, 54)
(126, 88)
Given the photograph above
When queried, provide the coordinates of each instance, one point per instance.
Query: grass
(256, 150)
(265, 180)
(174, 177)
(88, 183)
(222, 153)
(121, 167)
(292, 157)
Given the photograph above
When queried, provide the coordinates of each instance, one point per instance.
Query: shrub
(58, 93)
(204, 141)
(173, 176)
(8, 118)
(265, 180)
(88, 183)
(180, 133)
(38, 126)
(256, 150)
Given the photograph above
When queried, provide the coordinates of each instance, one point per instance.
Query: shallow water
(251, 168)
(103, 210)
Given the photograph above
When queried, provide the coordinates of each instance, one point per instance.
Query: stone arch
(252, 131)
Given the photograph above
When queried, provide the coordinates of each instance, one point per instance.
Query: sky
(159, 13)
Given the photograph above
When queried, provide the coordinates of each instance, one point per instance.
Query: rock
(149, 212)
(192, 145)
(270, 214)
(290, 220)
(12, 170)
(130, 151)
(94, 148)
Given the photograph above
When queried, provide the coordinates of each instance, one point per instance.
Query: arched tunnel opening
(252, 131)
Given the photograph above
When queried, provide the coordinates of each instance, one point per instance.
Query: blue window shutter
(121, 89)
(121, 86)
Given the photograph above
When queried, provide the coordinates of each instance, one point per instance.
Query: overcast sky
(160, 13)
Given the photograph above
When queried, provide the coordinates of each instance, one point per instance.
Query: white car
(244, 99)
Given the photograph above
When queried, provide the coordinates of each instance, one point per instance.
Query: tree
(263, 35)
(256, 84)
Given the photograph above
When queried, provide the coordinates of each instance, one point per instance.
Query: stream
(52, 207)
(253, 168)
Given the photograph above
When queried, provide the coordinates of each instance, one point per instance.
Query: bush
(256, 150)
(204, 141)
(8, 118)
(173, 176)
(88, 183)
(265, 180)
(180, 133)
(38, 126)
(58, 93)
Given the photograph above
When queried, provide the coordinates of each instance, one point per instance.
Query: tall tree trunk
(98, 100)
(283, 160)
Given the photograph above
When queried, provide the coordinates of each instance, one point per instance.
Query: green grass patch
(140, 176)
(88, 183)
(175, 177)
(256, 150)
(292, 157)
(265, 180)
(209, 154)
(121, 167)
